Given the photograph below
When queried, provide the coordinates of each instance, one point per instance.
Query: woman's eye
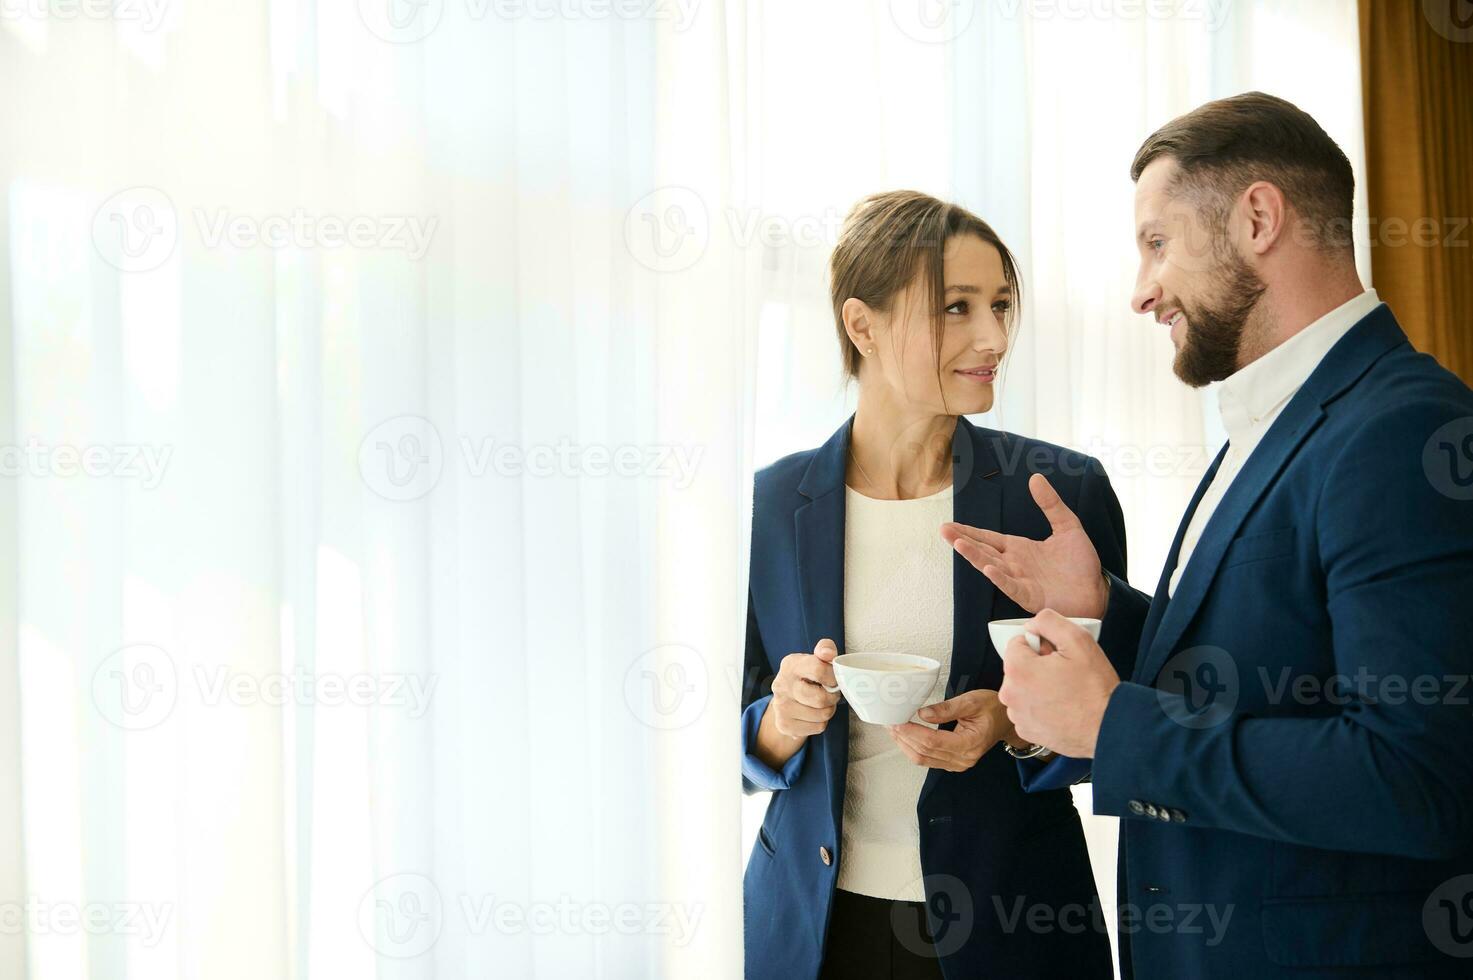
(959, 307)
(1002, 306)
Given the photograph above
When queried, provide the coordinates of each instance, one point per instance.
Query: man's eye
(1156, 244)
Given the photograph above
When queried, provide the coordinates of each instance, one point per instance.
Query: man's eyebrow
(1146, 228)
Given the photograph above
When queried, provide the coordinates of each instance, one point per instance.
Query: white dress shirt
(1251, 399)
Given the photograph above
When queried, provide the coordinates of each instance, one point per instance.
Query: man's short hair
(1222, 147)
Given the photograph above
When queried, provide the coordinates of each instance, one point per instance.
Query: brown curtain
(1417, 85)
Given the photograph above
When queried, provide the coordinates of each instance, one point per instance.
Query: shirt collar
(1246, 397)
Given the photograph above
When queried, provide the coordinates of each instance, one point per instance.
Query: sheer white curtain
(383, 386)
(392, 628)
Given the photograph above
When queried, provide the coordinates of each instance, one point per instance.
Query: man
(1292, 756)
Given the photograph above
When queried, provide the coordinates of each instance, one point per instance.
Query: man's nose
(1147, 296)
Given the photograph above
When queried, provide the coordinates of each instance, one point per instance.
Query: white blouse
(897, 599)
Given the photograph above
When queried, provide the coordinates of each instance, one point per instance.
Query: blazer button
(1178, 817)
(1137, 807)
(1151, 810)
(825, 856)
(1164, 815)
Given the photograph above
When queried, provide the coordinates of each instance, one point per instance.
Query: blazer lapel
(819, 528)
(1347, 361)
(977, 501)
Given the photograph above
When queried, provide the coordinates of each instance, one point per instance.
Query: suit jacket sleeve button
(1178, 816)
(825, 856)
(1137, 807)
(1151, 810)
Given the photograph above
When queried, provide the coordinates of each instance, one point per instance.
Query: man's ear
(1265, 215)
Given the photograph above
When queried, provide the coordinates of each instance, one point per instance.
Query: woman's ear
(859, 324)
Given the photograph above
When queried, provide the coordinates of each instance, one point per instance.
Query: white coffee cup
(1002, 631)
(885, 688)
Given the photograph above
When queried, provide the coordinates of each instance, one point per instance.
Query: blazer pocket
(765, 840)
(1259, 546)
(1353, 931)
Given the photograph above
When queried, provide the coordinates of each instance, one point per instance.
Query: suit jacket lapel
(1347, 361)
(1162, 597)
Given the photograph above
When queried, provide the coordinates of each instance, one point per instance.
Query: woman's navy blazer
(1006, 873)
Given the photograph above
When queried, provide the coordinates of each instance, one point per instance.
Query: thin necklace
(862, 473)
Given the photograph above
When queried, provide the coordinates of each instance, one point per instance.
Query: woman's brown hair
(885, 241)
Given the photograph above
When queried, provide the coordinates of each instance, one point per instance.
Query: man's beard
(1214, 334)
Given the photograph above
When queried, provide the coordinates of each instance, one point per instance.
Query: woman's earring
(870, 351)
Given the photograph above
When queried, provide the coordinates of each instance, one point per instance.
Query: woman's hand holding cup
(802, 702)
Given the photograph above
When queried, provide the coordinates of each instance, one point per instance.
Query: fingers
(952, 532)
(811, 668)
(933, 749)
(1064, 635)
(812, 695)
(1009, 586)
(1060, 517)
(825, 650)
(798, 728)
(976, 553)
(941, 712)
(798, 711)
(1018, 658)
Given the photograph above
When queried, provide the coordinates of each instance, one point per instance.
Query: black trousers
(878, 939)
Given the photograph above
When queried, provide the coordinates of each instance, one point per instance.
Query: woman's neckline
(945, 491)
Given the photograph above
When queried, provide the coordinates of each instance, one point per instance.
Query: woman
(909, 851)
